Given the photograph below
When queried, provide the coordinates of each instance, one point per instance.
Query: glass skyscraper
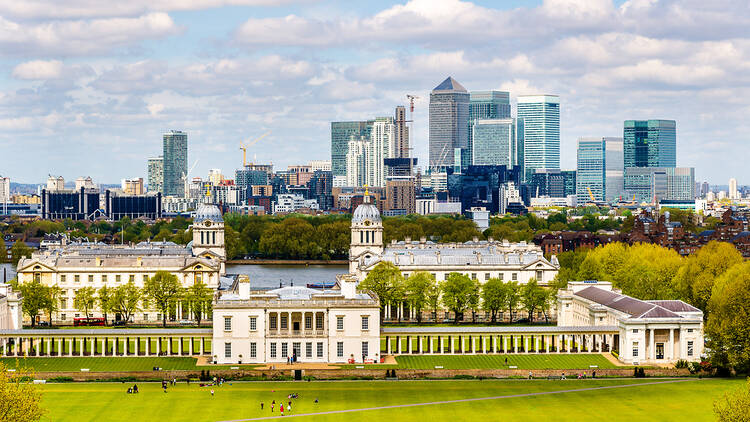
(541, 133)
(652, 184)
(175, 162)
(493, 143)
(650, 143)
(155, 174)
(449, 123)
(599, 170)
(485, 105)
(341, 134)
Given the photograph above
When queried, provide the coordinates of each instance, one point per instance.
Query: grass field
(689, 399)
(551, 361)
(105, 364)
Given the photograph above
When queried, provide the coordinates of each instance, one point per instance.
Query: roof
(675, 305)
(366, 211)
(636, 308)
(450, 84)
(108, 331)
(207, 212)
(445, 255)
(458, 329)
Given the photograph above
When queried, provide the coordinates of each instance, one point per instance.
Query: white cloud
(38, 69)
(155, 109)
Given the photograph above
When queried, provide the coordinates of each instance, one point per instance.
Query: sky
(87, 87)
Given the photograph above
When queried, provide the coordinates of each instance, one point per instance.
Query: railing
(297, 333)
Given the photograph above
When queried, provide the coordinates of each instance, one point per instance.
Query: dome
(208, 212)
(366, 211)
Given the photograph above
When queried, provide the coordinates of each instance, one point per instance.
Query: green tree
(433, 299)
(533, 297)
(19, 399)
(198, 298)
(460, 293)
(35, 297)
(85, 299)
(104, 298)
(728, 327)
(18, 251)
(163, 290)
(125, 300)
(3, 254)
(493, 299)
(385, 280)
(52, 304)
(417, 287)
(734, 406)
(512, 296)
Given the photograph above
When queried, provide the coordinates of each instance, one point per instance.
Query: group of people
(133, 389)
(283, 408)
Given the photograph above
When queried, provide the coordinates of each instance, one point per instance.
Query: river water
(261, 276)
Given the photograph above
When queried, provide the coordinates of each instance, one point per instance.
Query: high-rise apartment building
(132, 186)
(650, 143)
(215, 177)
(381, 146)
(449, 123)
(156, 174)
(175, 162)
(541, 132)
(733, 193)
(341, 134)
(356, 162)
(599, 171)
(4, 190)
(320, 165)
(401, 146)
(494, 142)
(486, 105)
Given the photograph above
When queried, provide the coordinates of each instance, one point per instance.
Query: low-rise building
(10, 308)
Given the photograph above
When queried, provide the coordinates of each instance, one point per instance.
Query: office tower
(356, 159)
(704, 189)
(341, 134)
(449, 119)
(650, 143)
(175, 162)
(654, 184)
(541, 132)
(494, 142)
(553, 183)
(733, 189)
(600, 169)
(486, 105)
(156, 174)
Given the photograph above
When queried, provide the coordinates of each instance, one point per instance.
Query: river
(262, 276)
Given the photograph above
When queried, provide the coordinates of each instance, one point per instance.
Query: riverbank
(287, 262)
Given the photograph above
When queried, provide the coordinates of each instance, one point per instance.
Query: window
(690, 330)
(635, 331)
(62, 278)
(272, 322)
(213, 238)
(227, 350)
(284, 350)
(77, 278)
(308, 322)
(227, 323)
(473, 276)
(283, 322)
(308, 350)
(145, 317)
(365, 323)
(319, 322)
(486, 276)
(104, 278)
(91, 278)
(144, 278)
(340, 349)
(539, 275)
(203, 238)
(158, 316)
(131, 278)
(514, 276)
(273, 350)
(319, 350)
(635, 349)
(296, 349)
(118, 278)
(500, 276)
(339, 323)
(365, 349)
(253, 323)
(690, 348)
(62, 317)
(198, 277)
(63, 303)
(253, 350)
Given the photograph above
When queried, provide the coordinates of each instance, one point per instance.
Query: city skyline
(107, 83)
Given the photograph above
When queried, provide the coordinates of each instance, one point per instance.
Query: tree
(104, 298)
(728, 327)
(512, 295)
(125, 300)
(198, 298)
(385, 280)
(85, 299)
(695, 279)
(417, 287)
(734, 406)
(19, 398)
(18, 251)
(163, 289)
(533, 297)
(3, 253)
(35, 297)
(493, 298)
(53, 300)
(433, 298)
(460, 293)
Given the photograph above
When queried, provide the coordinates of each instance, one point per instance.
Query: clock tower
(367, 234)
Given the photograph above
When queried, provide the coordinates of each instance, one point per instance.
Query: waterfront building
(120, 204)
(246, 178)
(55, 183)
(156, 174)
(599, 171)
(650, 143)
(653, 184)
(541, 132)
(289, 202)
(449, 120)
(341, 134)
(59, 204)
(175, 155)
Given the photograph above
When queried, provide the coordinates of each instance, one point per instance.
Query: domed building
(208, 234)
(367, 234)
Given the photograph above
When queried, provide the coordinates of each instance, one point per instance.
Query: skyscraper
(541, 132)
(493, 143)
(599, 171)
(733, 189)
(341, 134)
(653, 184)
(175, 162)
(381, 146)
(449, 120)
(485, 105)
(650, 143)
(156, 174)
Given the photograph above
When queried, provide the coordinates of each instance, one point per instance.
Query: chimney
(98, 261)
(139, 263)
(439, 259)
(411, 258)
(479, 257)
(244, 286)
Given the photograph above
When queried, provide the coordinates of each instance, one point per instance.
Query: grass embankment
(683, 400)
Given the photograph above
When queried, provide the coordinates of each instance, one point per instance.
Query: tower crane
(249, 144)
(411, 101)
(185, 176)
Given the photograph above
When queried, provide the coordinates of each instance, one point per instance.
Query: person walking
(212, 392)
(281, 409)
(273, 403)
(261, 405)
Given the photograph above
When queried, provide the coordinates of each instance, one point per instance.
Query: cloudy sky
(87, 88)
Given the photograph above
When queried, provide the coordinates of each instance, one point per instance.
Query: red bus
(78, 322)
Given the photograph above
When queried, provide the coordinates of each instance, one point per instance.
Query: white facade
(10, 309)
(733, 194)
(356, 163)
(322, 165)
(653, 331)
(55, 183)
(4, 189)
(290, 202)
(296, 323)
(381, 146)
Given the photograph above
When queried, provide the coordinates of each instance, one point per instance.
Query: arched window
(361, 237)
(213, 238)
(203, 238)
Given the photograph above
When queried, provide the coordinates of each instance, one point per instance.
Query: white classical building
(75, 265)
(480, 260)
(650, 331)
(296, 323)
(10, 308)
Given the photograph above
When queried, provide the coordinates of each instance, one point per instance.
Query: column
(441, 343)
(526, 344)
(200, 346)
(453, 344)
(180, 346)
(419, 345)
(546, 343)
(190, 346)
(387, 345)
(398, 345)
(515, 344)
(169, 344)
(670, 350)
(505, 344)
(652, 346)
(39, 345)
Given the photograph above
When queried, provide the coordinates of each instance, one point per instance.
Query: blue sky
(87, 87)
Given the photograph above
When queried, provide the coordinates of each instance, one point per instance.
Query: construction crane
(184, 178)
(591, 194)
(411, 101)
(249, 144)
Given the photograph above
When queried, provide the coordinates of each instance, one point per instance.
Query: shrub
(61, 379)
(463, 377)
(641, 373)
(681, 364)
(694, 367)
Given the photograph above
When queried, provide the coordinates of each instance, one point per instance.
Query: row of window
(205, 238)
(308, 322)
(487, 276)
(690, 348)
(76, 278)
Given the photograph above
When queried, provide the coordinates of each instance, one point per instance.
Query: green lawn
(550, 361)
(104, 364)
(689, 399)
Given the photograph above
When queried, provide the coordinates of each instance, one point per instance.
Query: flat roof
(105, 332)
(500, 329)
